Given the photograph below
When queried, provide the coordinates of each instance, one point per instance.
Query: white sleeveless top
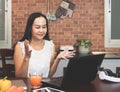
(40, 60)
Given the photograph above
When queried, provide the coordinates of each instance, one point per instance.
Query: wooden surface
(96, 86)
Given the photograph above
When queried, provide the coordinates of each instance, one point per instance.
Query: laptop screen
(81, 69)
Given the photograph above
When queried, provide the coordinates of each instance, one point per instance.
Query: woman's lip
(40, 34)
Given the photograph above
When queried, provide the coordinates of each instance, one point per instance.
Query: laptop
(81, 69)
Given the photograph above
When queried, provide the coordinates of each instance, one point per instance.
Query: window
(112, 23)
(5, 24)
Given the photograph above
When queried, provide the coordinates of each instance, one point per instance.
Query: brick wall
(87, 22)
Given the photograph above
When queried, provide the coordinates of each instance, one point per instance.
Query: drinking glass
(35, 79)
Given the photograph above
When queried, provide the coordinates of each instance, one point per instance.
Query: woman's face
(39, 28)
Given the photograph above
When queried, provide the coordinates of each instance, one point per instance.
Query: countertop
(110, 55)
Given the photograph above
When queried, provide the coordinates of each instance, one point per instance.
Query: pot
(83, 49)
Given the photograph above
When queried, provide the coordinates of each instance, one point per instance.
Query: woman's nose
(41, 30)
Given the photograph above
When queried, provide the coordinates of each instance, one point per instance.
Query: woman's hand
(27, 51)
(66, 54)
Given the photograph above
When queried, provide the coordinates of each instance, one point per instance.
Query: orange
(20, 89)
(15, 89)
(12, 89)
(35, 80)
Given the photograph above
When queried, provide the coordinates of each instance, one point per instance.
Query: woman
(35, 51)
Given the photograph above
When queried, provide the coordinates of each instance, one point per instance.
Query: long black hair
(28, 30)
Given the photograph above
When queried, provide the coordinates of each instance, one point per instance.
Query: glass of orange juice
(35, 79)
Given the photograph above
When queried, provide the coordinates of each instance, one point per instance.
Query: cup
(35, 79)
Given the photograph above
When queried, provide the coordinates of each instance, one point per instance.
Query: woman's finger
(26, 43)
(27, 51)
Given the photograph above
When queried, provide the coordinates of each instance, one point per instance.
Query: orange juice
(35, 80)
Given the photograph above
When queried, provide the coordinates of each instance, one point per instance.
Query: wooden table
(96, 86)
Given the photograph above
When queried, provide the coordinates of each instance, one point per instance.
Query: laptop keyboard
(55, 80)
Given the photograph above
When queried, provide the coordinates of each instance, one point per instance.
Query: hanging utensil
(48, 12)
(53, 17)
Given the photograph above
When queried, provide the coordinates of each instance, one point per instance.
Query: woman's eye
(44, 27)
(38, 27)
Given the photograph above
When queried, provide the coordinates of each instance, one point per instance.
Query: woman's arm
(21, 62)
(56, 59)
(54, 63)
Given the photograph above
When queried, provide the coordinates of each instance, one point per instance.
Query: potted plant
(83, 45)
